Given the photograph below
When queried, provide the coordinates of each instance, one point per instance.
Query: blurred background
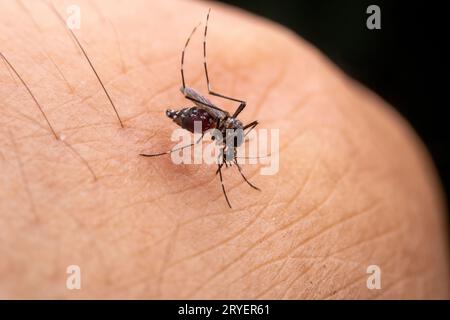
(405, 62)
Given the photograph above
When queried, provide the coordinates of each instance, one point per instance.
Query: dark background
(405, 62)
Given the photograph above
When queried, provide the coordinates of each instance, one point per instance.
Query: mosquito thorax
(232, 128)
(233, 123)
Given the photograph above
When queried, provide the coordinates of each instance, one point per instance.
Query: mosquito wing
(203, 103)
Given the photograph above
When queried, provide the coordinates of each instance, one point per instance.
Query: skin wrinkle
(31, 121)
(238, 233)
(323, 259)
(346, 286)
(93, 244)
(30, 16)
(397, 282)
(284, 259)
(73, 150)
(260, 240)
(217, 214)
(77, 154)
(323, 278)
(161, 273)
(335, 224)
(275, 284)
(289, 253)
(179, 192)
(271, 87)
(241, 230)
(170, 245)
(299, 245)
(147, 66)
(50, 6)
(371, 239)
(45, 56)
(318, 261)
(289, 286)
(114, 151)
(116, 34)
(24, 177)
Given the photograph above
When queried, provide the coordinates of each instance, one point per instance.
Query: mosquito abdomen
(187, 117)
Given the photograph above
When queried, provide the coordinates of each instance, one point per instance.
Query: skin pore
(355, 186)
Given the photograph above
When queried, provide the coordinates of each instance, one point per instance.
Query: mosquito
(211, 117)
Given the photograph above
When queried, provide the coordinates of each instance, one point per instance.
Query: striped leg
(244, 177)
(242, 102)
(251, 125)
(221, 182)
(182, 56)
(173, 150)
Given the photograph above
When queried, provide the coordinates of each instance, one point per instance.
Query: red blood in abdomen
(198, 115)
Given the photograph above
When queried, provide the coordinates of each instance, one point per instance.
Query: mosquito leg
(183, 81)
(243, 176)
(221, 182)
(251, 125)
(224, 162)
(211, 92)
(239, 109)
(220, 165)
(173, 150)
(182, 56)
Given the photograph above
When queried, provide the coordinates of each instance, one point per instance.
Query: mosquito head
(171, 113)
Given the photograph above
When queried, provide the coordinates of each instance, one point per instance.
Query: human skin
(355, 186)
